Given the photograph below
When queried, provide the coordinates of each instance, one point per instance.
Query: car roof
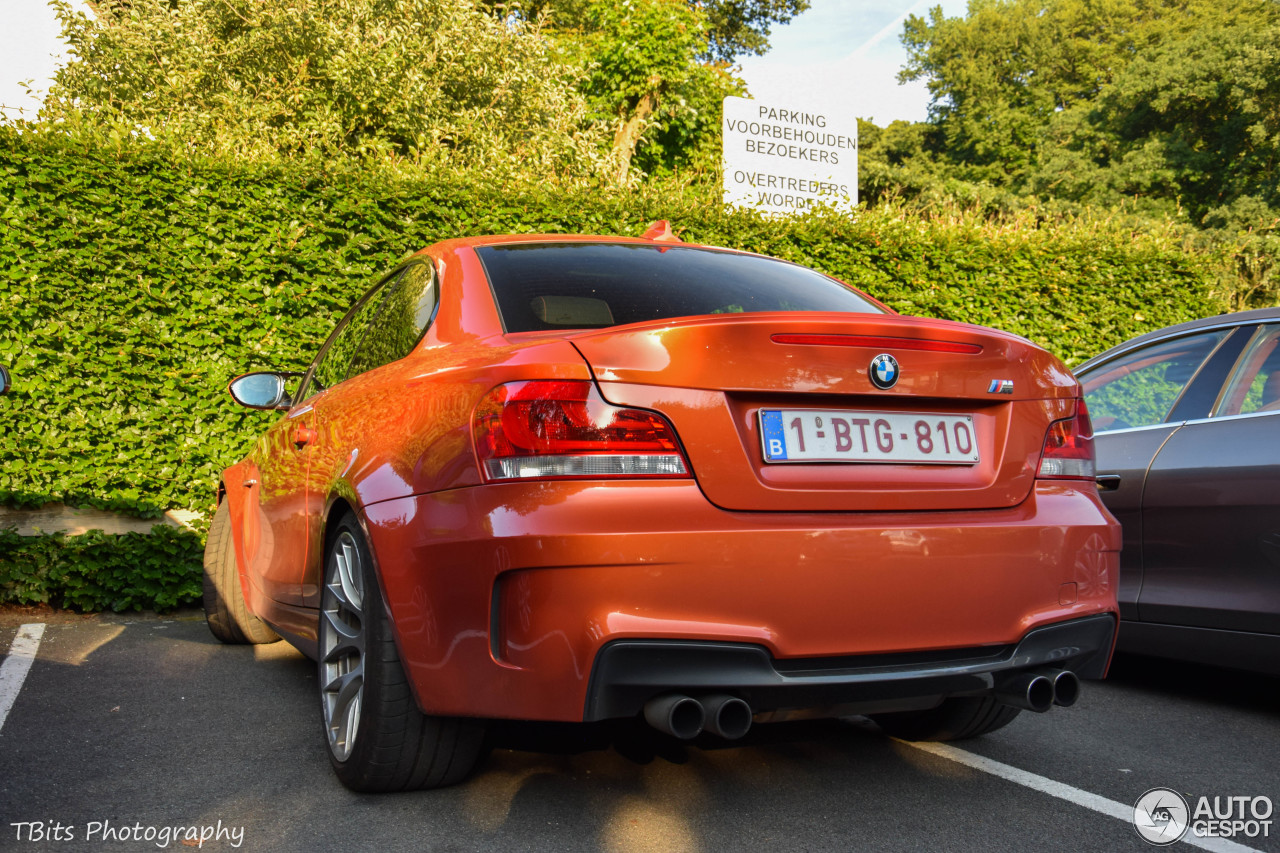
(1238, 318)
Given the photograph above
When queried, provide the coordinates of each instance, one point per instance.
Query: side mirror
(6, 382)
(260, 390)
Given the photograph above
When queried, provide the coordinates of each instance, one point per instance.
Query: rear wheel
(955, 719)
(378, 739)
(224, 608)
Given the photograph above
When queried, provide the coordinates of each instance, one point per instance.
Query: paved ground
(147, 722)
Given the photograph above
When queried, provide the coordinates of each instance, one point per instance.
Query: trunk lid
(713, 377)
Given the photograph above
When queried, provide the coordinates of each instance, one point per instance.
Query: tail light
(552, 429)
(1068, 447)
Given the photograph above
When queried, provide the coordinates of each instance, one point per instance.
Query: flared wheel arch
(339, 508)
(432, 751)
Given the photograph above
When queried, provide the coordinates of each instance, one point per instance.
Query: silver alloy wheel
(342, 645)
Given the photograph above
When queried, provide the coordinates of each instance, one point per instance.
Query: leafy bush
(437, 79)
(97, 571)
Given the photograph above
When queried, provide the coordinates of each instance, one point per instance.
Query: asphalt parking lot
(142, 732)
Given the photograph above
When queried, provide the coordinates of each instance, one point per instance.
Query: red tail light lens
(552, 429)
(1068, 448)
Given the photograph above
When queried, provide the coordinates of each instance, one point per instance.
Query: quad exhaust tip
(727, 716)
(1066, 687)
(676, 715)
(685, 718)
(1039, 690)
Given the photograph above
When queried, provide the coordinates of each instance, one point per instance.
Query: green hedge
(133, 288)
(99, 571)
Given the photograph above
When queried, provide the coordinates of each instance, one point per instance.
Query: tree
(1194, 121)
(733, 27)
(1172, 102)
(436, 79)
(551, 86)
(685, 130)
(656, 71)
(641, 67)
(998, 75)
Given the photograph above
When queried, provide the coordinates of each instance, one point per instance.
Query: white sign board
(787, 158)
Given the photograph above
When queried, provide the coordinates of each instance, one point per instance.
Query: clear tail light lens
(1068, 448)
(554, 429)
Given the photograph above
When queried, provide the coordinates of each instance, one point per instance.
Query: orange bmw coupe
(577, 478)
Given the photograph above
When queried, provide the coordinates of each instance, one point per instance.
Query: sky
(841, 54)
(845, 53)
(28, 38)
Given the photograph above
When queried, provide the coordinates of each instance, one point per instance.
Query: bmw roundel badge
(884, 371)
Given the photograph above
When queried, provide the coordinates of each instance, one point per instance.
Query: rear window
(541, 286)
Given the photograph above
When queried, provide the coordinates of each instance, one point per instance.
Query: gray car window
(1140, 388)
(1255, 384)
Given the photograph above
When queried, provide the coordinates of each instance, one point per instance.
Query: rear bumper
(521, 600)
(628, 673)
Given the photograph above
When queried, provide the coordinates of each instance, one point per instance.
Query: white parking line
(14, 669)
(1064, 792)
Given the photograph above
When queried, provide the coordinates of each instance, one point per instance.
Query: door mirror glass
(5, 382)
(260, 391)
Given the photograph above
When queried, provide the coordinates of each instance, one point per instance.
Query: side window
(401, 319)
(1140, 388)
(1255, 385)
(334, 361)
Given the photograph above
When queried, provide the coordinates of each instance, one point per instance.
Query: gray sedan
(1187, 432)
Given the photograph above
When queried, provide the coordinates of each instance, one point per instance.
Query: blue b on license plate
(831, 435)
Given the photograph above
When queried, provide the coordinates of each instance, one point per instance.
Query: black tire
(957, 718)
(377, 738)
(224, 608)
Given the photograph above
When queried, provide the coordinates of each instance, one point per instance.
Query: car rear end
(767, 495)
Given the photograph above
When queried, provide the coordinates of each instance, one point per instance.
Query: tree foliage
(1174, 104)
(549, 86)
(643, 78)
(655, 72)
(1196, 119)
(733, 27)
(427, 78)
(736, 27)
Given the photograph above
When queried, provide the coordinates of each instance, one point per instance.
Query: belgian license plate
(822, 435)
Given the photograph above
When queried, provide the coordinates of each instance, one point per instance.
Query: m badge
(1000, 386)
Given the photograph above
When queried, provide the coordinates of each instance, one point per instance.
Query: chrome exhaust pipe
(675, 714)
(727, 716)
(1030, 691)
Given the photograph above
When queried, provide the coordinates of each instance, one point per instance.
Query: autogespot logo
(1160, 816)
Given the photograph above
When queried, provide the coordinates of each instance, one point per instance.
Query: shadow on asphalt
(640, 744)
(1243, 690)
